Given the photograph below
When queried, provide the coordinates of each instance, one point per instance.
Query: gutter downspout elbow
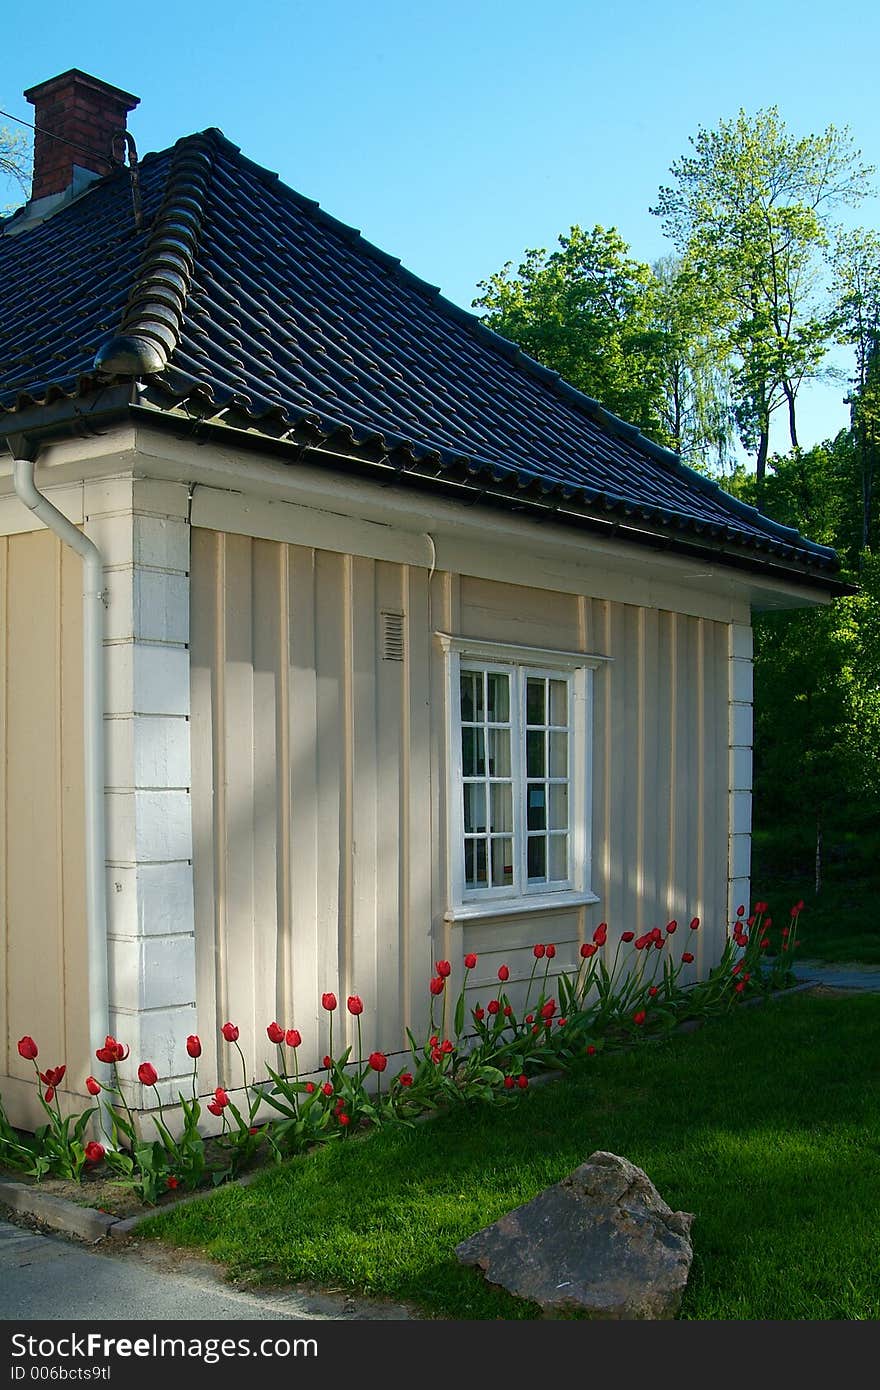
(93, 741)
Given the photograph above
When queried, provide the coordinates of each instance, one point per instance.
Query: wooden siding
(319, 797)
(43, 964)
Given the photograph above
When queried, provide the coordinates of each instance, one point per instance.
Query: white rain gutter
(93, 731)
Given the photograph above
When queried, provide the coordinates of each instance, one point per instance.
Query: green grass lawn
(842, 923)
(766, 1125)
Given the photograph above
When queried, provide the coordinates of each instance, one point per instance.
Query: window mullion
(520, 818)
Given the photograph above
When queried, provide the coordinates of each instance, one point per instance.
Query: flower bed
(484, 1054)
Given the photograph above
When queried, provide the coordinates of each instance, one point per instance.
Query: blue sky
(457, 135)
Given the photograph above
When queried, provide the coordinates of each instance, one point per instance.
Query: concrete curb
(87, 1223)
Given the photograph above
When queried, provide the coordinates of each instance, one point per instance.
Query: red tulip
(538, 951)
(470, 961)
(508, 1083)
(671, 928)
(768, 923)
(507, 1010)
(627, 936)
(479, 1013)
(446, 1046)
(503, 973)
(378, 1061)
(687, 957)
(740, 910)
(639, 1016)
(405, 1078)
(549, 1009)
(344, 1119)
(50, 1093)
(588, 949)
(215, 1108)
(436, 1055)
(695, 922)
(230, 1032)
(310, 1088)
(600, 935)
(92, 1086)
(765, 942)
(194, 1045)
(327, 1062)
(561, 1022)
(328, 1002)
(740, 987)
(53, 1076)
(530, 1018)
(551, 952)
(494, 1006)
(591, 1051)
(171, 1182)
(112, 1051)
(293, 1037)
(643, 941)
(147, 1074)
(434, 1041)
(94, 1151)
(27, 1048)
(737, 968)
(327, 1088)
(355, 1004)
(522, 1081)
(220, 1097)
(653, 991)
(444, 968)
(437, 984)
(275, 1033)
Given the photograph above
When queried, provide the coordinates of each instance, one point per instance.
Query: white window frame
(521, 661)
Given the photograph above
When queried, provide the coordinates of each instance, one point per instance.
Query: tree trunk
(763, 450)
(818, 851)
(792, 425)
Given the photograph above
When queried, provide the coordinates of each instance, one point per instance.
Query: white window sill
(515, 907)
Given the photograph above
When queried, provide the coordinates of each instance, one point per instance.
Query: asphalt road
(48, 1277)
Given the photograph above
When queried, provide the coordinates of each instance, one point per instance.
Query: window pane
(498, 699)
(499, 752)
(535, 702)
(475, 863)
(537, 856)
(535, 753)
(473, 752)
(558, 857)
(502, 807)
(559, 702)
(536, 807)
(502, 863)
(474, 806)
(559, 806)
(558, 755)
(472, 696)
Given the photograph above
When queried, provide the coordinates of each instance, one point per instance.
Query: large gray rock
(602, 1241)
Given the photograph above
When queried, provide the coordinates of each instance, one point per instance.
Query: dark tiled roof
(254, 302)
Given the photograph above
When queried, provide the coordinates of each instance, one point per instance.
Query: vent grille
(392, 637)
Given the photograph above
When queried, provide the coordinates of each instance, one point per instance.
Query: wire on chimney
(52, 136)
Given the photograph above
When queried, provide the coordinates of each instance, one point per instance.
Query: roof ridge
(153, 316)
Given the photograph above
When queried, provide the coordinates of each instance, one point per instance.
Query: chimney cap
(85, 79)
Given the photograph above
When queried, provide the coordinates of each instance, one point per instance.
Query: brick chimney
(85, 111)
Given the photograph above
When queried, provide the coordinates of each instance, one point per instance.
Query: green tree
(585, 310)
(856, 267)
(696, 409)
(748, 213)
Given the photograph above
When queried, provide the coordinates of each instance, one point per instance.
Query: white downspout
(93, 722)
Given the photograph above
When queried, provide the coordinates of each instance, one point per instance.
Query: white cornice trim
(518, 655)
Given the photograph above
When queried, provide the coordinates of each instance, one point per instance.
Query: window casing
(519, 777)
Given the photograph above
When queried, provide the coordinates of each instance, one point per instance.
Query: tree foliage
(748, 212)
(584, 310)
(15, 157)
